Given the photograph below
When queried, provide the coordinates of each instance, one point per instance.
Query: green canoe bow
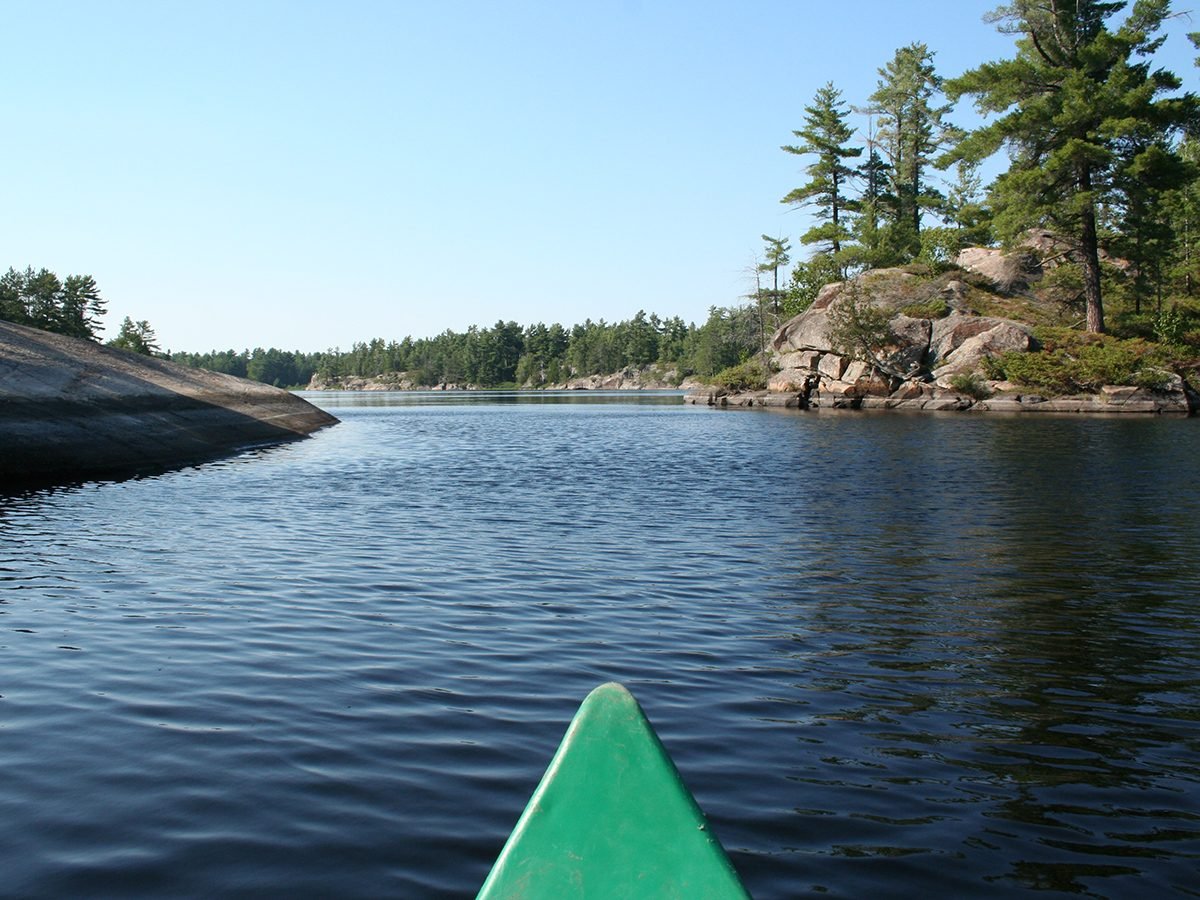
(612, 819)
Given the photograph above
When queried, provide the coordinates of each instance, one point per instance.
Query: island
(989, 334)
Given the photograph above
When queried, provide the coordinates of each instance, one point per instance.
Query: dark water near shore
(894, 656)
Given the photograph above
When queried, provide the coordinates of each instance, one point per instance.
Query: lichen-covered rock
(955, 294)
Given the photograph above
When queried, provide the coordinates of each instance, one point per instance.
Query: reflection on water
(892, 656)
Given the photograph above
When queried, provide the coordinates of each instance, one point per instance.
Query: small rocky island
(70, 408)
(943, 344)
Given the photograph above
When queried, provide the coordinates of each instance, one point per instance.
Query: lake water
(892, 655)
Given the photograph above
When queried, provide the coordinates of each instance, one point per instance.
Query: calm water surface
(893, 656)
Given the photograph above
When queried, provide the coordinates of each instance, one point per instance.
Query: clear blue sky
(308, 174)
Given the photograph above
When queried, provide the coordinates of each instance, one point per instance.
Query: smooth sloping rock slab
(71, 409)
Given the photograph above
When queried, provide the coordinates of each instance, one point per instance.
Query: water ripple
(892, 656)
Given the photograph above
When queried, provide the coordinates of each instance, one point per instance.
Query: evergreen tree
(964, 208)
(825, 135)
(42, 291)
(40, 299)
(873, 205)
(1183, 214)
(13, 306)
(80, 307)
(1149, 170)
(775, 257)
(139, 337)
(911, 129)
(1072, 95)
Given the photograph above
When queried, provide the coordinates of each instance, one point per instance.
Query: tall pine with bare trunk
(912, 128)
(1066, 108)
(826, 137)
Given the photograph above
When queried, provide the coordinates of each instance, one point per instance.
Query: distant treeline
(512, 354)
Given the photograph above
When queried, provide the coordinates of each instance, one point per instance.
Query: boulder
(832, 365)
(855, 370)
(873, 384)
(799, 359)
(807, 331)
(912, 390)
(969, 355)
(950, 333)
(837, 389)
(789, 381)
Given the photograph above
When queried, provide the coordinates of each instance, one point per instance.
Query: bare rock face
(71, 409)
(1009, 272)
(909, 344)
(969, 355)
(808, 331)
(884, 289)
(392, 382)
(801, 359)
(952, 332)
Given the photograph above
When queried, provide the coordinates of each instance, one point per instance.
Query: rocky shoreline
(647, 378)
(935, 354)
(73, 409)
(1110, 400)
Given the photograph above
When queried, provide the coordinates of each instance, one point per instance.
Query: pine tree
(139, 337)
(1066, 103)
(1149, 170)
(912, 128)
(964, 209)
(775, 257)
(80, 307)
(874, 205)
(1183, 214)
(825, 135)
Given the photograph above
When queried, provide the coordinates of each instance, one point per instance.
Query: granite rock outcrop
(935, 353)
(72, 409)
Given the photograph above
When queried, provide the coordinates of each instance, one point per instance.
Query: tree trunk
(837, 244)
(1090, 261)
